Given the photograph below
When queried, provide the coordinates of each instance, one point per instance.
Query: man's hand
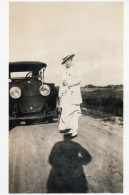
(65, 83)
(59, 110)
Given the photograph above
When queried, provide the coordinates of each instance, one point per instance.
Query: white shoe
(74, 133)
(70, 132)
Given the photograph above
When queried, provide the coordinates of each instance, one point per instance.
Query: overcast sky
(47, 32)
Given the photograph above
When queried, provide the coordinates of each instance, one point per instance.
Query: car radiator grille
(29, 104)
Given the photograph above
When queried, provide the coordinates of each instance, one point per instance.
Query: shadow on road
(67, 175)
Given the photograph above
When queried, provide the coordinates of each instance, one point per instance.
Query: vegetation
(108, 86)
(103, 102)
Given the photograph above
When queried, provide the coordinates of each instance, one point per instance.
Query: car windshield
(19, 74)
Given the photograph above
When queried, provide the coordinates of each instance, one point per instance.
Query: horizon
(98, 86)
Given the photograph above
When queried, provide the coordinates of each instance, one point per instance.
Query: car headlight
(44, 90)
(15, 92)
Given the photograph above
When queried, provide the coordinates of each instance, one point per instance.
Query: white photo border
(4, 59)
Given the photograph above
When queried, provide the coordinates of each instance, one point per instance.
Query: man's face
(68, 63)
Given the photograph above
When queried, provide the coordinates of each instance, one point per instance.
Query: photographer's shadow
(67, 175)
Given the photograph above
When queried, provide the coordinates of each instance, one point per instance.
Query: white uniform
(70, 99)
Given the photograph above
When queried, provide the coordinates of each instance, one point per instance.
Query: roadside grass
(103, 103)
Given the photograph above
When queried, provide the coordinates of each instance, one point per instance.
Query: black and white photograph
(65, 96)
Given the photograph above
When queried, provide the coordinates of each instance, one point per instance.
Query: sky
(49, 31)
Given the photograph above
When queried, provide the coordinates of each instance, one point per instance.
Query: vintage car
(29, 96)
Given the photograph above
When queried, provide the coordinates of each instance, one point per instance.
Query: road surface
(42, 161)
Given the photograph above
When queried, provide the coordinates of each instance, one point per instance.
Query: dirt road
(41, 161)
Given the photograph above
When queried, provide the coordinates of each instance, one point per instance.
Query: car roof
(26, 66)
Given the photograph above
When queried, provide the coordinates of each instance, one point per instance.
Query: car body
(29, 96)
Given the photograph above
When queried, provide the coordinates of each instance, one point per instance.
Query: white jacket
(70, 94)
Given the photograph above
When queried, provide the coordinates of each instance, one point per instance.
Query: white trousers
(69, 117)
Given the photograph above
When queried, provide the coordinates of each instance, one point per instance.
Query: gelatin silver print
(65, 97)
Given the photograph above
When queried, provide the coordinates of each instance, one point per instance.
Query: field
(105, 103)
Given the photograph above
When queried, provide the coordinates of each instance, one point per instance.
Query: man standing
(70, 97)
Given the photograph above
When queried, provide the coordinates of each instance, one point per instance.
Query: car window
(18, 74)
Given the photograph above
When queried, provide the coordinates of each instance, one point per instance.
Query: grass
(105, 102)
